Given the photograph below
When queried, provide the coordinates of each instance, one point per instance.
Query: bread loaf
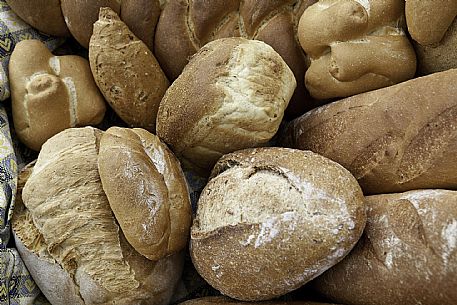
(44, 15)
(407, 254)
(433, 24)
(148, 194)
(186, 26)
(224, 300)
(272, 219)
(394, 139)
(126, 71)
(51, 93)
(69, 239)
(355, 46)
(232, 95)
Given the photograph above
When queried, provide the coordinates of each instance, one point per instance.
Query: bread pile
(353, 202)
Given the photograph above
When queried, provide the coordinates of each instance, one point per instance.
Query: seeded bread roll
(232, 95)
(394, 139)
(126, 71)
(224, 300)
(407, 255)
(44, 15)
(253, 241)
(148, 194)
(51, 93)
(69, 239)
(355, 46)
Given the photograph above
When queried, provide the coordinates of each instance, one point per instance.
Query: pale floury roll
(272, 219)
(70, 240)
(355, 46)
(232, 95)
(406, 256)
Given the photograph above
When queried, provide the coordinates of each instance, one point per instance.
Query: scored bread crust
(67, 232)
(126, 71)
(232, 95)
(186, 26)
(51, 93)
(253, 241)
(225, 300)
(394, 139)
(153, 208)
(406, 256)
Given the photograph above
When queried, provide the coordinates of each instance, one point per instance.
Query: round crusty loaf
(394, 139)
(69, 239)
(51, 93)
(126, 71)
(44, 15)
(232, 95)
(224, 300)
(355, 46)
(407, 255)
(146, 190)
(186, 26)
(272, 219)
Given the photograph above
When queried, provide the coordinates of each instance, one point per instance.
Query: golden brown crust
(394, 139)
(126, 71)
(428, 20)
(225, 300)
(253, 241)
(146, 190)
(44, 15)
(407, 255)
(355, 46)
(186, 26)
(52, 94)
(231, 96)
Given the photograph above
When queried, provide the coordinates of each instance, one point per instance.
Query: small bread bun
(232, 95)
(146, 190)
(406, 256)
(272, 219)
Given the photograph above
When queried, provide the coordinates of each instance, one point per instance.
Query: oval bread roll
(232, 95)
(406, 256)
(146, 190)
(69, 239)
(272, 219)
(394, 139)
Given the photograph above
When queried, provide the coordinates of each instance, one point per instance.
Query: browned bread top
(225, 300)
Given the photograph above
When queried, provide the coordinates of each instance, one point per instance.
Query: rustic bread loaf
(232, 95)
(186, 26)
(69, 239)
(44, 15)
(355, 46)
(126, 71)
(394, 139)
(407, 254)
(272, 219)
(148, 194)
(433, 24)
(51, 93)
(224, 300)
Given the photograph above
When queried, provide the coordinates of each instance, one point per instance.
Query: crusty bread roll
(186, 26)
(407, 255)
(69, 239)
(51, 93)
(44, 15)
(232, 95)
(126, 71)
(433, 24)
(355, 46)
(224, 300)
(394, 139)
(148, 194)
(272, 219)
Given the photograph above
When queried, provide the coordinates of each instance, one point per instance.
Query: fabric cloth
(12, 31)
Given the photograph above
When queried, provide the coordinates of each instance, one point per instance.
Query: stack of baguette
(352, 202)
